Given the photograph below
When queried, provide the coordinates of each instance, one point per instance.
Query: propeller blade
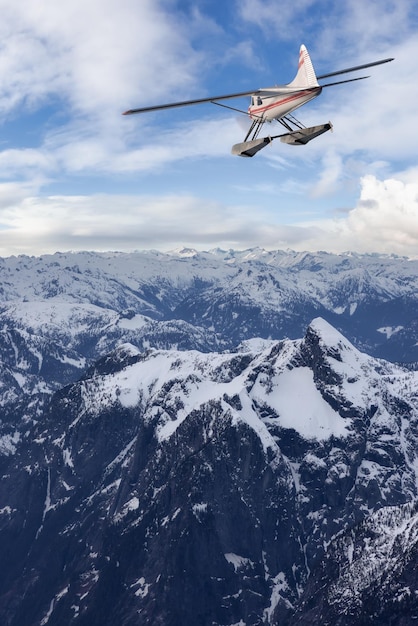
(354, 69)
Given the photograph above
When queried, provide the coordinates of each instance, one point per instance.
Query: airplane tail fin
(306, 76)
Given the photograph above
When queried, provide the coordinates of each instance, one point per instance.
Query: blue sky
(77, 175)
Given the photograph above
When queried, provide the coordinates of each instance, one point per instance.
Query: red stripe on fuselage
(295, 96)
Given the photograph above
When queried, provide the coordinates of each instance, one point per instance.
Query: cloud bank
(385, 220)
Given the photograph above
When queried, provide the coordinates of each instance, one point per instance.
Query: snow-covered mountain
(242, 486)
(60, 312)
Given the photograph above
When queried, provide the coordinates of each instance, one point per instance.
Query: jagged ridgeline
(160, 465)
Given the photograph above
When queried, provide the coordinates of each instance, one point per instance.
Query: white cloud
(386, 217)
(38, 225)
(384, 220)
(95, 60)
(205, 137)
(274, 17)
(376, 23)
(93, 56)
(377, 115)
(410, 175)
(330, 177)
(26, 162)
(351, 27)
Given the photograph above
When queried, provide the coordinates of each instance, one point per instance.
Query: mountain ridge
(64, 311)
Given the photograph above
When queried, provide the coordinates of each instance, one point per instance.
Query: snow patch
(132, 504)
(389, 330)
(307, 413)
(143, 587)
(280, 586)
(199, 510)
(57, 598)
(134, 323)
(6, 510)
(238, 562)
(8, 444)
(67, 458)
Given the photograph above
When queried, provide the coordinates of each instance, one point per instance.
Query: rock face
(369, 573)
(248, 486)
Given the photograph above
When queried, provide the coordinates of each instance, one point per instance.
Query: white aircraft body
(276, 103)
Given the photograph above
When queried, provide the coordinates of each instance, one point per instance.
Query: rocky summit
(272, 483)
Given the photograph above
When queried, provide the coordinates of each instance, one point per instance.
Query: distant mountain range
(188, 439)
(85, 303)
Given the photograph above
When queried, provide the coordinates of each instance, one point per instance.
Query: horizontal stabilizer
(303, 136)
(250, 148)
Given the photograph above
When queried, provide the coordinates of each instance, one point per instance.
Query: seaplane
(276, 104)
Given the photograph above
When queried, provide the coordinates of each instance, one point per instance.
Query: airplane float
(276, 103)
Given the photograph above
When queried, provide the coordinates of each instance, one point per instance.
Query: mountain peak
(327, 334)
(184, 252)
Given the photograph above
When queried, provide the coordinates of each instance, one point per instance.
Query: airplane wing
(214, 99)
(172, 105)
